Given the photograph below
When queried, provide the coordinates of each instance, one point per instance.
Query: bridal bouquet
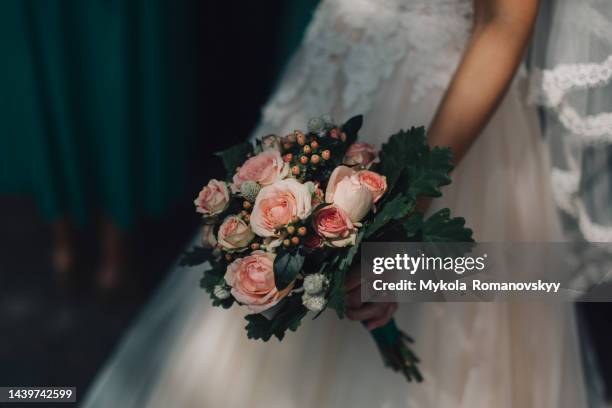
(282, 231)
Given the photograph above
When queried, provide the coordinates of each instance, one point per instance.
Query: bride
(452, 64)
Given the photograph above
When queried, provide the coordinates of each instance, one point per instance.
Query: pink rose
(234, 234)
(213, 199)
(208, 236)
(374, 181)
(252, 281)
(278, 205)
(359, 154)
(346, 191)
(335, 226)
(264, 168)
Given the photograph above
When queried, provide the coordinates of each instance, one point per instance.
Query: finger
(367, 312)
(384, 319)
(353, 298)
(353, 279)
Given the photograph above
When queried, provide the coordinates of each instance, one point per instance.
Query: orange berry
(295, 170)
(287, 158)
(300, 137)
(314, 144)
(302, 231)
(307, 149)
(246, 204)
(295, 240)
(315, 159)
(286, 242)
(304, 159)
(326, 154)
(290, 229)
(255, 246)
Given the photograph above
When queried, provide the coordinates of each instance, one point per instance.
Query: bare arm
(501, 31)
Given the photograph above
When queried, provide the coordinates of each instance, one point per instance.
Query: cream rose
(374, 181)
(346, 191)
(264, 168)
(278, 205)
(252, 281)
(213, 199)
(359, 154)
(335, 226)
(234, 234)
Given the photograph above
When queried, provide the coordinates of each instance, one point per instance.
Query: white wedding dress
(390, 60)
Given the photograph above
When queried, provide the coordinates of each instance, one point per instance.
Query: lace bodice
(351, 46)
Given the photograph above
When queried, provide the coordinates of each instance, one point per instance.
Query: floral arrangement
(281, 233)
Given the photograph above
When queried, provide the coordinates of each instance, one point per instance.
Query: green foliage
(351, 128)
(440, 227)
(289, 317)
(423, 170)
(287, 265)
(197, 255)
(337, 292)
(235, 156)
(397, 208)
(213, 276)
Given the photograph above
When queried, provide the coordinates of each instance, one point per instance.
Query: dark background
(53, 336)
(56, 336)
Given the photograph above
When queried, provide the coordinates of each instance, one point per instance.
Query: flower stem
(396, 353)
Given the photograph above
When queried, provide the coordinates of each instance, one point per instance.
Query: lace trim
(352, 46)
(566, 185)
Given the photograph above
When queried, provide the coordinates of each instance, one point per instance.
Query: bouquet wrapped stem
(393, 345)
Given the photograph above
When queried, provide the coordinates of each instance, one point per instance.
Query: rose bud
(265, 168)
(279, 205)
(359, 154)
(213, 199)
(374, 181)
(252, 281)
(335, 226)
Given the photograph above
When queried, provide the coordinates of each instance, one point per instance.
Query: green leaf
(413, 225)
(422, 170)
(440, 227)
(286, 267)
(351, 127)
(289, 317)
(197, 255)
(397, 208)
(337, 292)
(212, 277)
(235, 156)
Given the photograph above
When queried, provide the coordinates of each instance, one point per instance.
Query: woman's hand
(373, 315)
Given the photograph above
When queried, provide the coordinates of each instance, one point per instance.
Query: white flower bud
(313, 303)
(315, 284)
(221, 292)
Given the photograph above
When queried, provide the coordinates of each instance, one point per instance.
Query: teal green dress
(92, 117)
